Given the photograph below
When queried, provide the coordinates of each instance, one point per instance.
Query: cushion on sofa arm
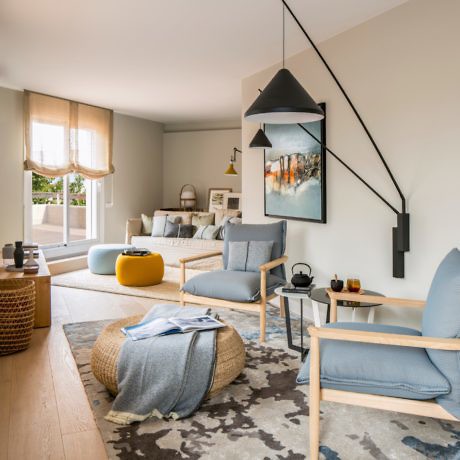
(235, 286)
(133, 228)
(387, 370)
(221, 213)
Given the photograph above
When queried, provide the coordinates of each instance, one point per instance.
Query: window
(68, 150)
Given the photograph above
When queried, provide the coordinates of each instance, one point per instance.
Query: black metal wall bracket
(401, 233)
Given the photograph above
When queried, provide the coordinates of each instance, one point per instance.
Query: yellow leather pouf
(140, 270)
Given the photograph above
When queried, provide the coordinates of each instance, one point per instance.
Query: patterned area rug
(263, 414)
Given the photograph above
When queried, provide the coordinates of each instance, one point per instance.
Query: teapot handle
(300, 263)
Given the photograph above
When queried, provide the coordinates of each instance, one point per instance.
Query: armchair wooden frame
(408, 406)
(259, 306)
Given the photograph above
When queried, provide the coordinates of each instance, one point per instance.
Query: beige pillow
(221, 213)
(147, 224)
(186, 217)
(201, 219)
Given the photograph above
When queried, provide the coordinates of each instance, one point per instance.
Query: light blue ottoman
(102, 257)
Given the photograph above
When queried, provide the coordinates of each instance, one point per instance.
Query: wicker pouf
(230, 355)
(17, 311)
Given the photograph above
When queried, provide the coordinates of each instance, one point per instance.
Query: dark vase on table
(18, 255)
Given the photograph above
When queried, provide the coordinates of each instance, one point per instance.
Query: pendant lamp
(260, 141)
(284, 100)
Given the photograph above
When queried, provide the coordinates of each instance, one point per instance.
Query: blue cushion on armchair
(387, 370)
(275, 232)
(236, 286)
(441, 318)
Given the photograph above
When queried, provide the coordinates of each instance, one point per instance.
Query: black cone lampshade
(260, 141)
(284, 101)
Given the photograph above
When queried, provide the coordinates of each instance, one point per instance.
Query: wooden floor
(44, 413)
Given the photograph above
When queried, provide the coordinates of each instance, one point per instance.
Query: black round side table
(320, 295)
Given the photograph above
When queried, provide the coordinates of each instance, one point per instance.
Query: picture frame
(295, 172)
(232, 201)
(216, 197)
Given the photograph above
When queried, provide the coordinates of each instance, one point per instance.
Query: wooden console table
(42, 290)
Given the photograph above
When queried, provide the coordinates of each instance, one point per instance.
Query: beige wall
(402, 71)
(199, 158)
(137, 182)
(11, 170)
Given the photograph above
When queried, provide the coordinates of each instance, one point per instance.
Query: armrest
(184, 260)
(133, 228)
(273, 263)
(383, 338)
(354, 297)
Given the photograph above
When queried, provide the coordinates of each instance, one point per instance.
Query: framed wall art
(216, 198)
(295, 172)
(232, 201)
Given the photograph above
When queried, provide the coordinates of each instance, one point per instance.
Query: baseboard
(71, 264)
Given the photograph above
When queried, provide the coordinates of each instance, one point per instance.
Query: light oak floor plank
(44, 412)
(85, 445)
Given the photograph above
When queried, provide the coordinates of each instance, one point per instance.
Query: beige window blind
(63, 136)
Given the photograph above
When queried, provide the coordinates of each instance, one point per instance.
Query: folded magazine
(166, 326)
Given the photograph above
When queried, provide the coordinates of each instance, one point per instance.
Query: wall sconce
(231, 171)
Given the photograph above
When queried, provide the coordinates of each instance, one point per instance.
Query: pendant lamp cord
(284, 12)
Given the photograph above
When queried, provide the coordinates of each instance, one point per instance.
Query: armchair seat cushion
(387, 370)
(235, 286)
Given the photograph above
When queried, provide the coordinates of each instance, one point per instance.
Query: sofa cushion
(147, 224)
(206, 232)
(199, 219)
(185, 216)
(275, 232)
(236, 286)
(223, 222)
(221, 213)
(441, 318)
(402, 372)
(178, 230)
(159, 224)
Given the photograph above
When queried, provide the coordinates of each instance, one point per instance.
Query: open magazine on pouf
(166, 326)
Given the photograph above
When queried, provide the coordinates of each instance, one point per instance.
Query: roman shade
(63, 136)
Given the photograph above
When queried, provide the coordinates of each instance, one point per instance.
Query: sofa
(171, 248)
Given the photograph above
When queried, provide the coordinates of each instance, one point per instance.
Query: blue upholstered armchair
(252, 270)
(390, 367)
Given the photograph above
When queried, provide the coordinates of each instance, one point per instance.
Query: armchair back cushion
(275, 232)
(441, 318)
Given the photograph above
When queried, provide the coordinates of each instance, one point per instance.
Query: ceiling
(173, 61)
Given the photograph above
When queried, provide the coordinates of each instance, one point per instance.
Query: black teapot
(301, 279)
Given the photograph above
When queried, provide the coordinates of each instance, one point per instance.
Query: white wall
(137, 157)
(402, 71)
(199, 158)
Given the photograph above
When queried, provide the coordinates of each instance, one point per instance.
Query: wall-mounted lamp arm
(233, 157)
(369, 135)
(372, 189)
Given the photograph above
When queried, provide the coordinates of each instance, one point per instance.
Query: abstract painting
(295, 172)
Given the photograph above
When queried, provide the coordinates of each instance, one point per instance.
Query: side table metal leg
(301, 327)
(316, 317)
(287, 314)
(370, 316)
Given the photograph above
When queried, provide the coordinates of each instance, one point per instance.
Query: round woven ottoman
(102, 257)
(140, 270)
(230, 355)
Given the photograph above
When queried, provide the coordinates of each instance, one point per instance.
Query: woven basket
(230, 355)
(17, 311)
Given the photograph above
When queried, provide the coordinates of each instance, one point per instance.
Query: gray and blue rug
(263, 414)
